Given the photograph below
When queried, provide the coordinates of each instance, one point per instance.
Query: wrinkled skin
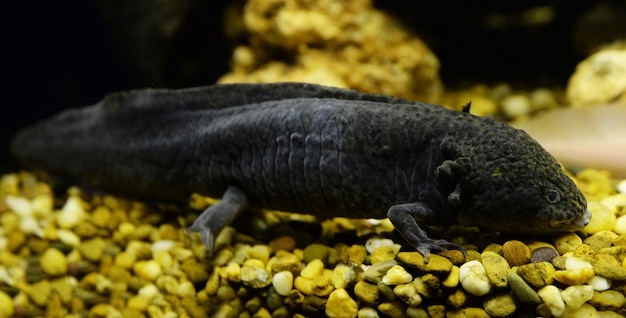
(310, 149)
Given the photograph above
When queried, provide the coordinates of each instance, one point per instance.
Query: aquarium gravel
(88, 255)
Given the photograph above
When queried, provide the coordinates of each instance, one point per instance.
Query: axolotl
(310, 149)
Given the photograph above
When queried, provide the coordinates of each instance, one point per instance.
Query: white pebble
(397, 275)
(621, 187)
(516, 105)
(367, 312)
(575, 263)
(376, 242)
(473, 277)
(551, 297)
(283, 282)
(620, 225)
(19, 205)
(600, 283)
(576, 296)
(149, 292)
(162, 246)
(29, 225)
(72, 213)
(68, 237)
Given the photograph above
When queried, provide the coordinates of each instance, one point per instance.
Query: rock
(516, 253)
(500, 305)
(53, 262)
(543, 254)
(522, 290)
(567, 243)
(408, 293)
(576, 296)
(574, 277)
(313, 269)
(609, 299)
(437, 264)
(396, 275)
(600, 78)
(599, 283)
(340, 304)
(474, 278)
(602, 218)
(344, 44)
(497, 269)
(6, 306)
(537, 274)
(453, 278)
(393, 309)
(255, 277)
(608, 267)
(551, 297)
(374, 274)
(367, 292)
(315, 252)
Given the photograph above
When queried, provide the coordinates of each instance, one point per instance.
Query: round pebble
(6, 306)
(516, 253)
(53, 262)
(473, 278)
(522, 290)
(599, 283)
(602, 218)
(497, 269)
(567, 243)
(366, 292)
(537, 274)
(283, 282)
(500, 305)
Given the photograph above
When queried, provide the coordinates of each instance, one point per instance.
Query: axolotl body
(310, 149)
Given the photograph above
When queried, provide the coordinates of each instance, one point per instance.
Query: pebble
(72, 213)
(148, 270)
(283, 282)
(516, 253)
(473, 278)
(602, 218)
(313, 269)
(322, 285)
(397, 275)
(374, 274)
(585, 310)
(366, 312)
(537, 274)
(344, 275)
(6, 306)
(497, 269)
(315, 252)
(383, 253)
(408, 293)
(620, 225)
(543, 254)
(452, 280)
(567, 243)
(92, 249)
(53, 262)
(551, 297)
(500, 305)
(608, 299)
(340, 304)
(599, 283)
(375, 242)
(575, 296)
(394, 308)
(522, 290)
(436, 264)
(604, 266)
(366, 292)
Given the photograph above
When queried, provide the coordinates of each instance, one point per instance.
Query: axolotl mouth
(573, 224)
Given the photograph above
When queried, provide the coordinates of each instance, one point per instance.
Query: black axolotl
(310, 149)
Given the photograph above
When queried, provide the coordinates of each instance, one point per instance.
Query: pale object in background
(589, 137)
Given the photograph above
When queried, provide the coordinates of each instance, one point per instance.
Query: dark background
(61, 54)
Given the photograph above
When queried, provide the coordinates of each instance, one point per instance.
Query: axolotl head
(511, 184)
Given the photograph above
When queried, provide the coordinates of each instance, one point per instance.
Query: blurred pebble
(621, 187)
(366, 292)
(148, 270)
(473, 278)
(72, 213)
(314, 252)
(376, 242)
(602, 218)
(53, 262)
(551, 297)
(6, 306)
(516, 105)
(283, 282)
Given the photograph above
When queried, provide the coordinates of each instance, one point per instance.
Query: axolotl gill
(309, 149)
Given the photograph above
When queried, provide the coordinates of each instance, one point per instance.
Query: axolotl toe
(310, 149)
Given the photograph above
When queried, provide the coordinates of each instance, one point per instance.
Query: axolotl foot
(214, 218)
(403, 217)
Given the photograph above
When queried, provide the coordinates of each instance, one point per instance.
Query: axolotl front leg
(214, 218)
(404, 216)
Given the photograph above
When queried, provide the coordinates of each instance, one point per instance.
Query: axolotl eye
(553, 196)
